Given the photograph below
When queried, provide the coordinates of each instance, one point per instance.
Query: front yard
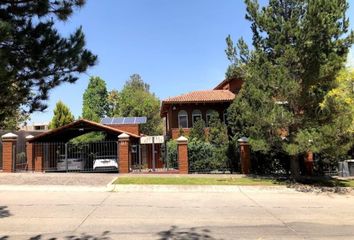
(228, 180)
(186, 180)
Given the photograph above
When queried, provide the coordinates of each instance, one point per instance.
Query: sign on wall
(151, 139)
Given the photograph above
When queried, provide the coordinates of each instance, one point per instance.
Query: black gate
(81, 157)
(20, 157)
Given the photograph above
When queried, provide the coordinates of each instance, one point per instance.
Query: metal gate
(152, 158)
(81, 157)
(20, 157)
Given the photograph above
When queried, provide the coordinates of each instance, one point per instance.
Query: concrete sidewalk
(63, 179)
(166, 216)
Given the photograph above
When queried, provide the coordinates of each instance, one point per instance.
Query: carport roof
(77, 128)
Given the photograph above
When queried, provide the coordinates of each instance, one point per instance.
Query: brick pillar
(245, 155)
(38, 157)
(29, 153)
(309, 163)
(9, 141)
(123, 153)
(182, 149)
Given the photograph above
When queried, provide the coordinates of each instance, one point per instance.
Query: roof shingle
(202, 96)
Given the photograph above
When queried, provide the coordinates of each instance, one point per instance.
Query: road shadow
(4, 212)
(175, 233)
(82, 236)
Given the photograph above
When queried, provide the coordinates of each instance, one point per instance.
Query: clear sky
(176, 46)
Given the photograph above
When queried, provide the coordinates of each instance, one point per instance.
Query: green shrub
(203, 158)
(171, 155)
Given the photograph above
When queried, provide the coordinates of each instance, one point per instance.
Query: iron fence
(82, 157)
(20, 157)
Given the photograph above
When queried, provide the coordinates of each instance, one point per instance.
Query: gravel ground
(66, 179)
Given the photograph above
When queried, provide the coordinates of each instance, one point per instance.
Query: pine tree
(62, 116)
(219, 139)
(299, 48)
(95, 105)
(135, 100)
(197, 132)
(34, 57)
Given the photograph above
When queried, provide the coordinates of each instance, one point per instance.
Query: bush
(171, 156)
(203, 158)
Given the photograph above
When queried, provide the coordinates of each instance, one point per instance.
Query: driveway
(63, 179)
(246, 214)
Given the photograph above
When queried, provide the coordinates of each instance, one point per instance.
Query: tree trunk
(294, 167)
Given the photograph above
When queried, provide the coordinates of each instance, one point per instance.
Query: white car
(73, 164)
(105, 163)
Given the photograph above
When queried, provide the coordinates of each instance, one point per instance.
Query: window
(208, 116)
(182, 119)
(196, 115)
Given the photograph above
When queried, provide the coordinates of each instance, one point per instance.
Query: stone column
(29, 153)
(182, 149)
(123, 153)
(245, 155)
(9, 141)
(309, 163)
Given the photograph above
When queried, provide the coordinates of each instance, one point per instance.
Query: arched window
(208, 116)
(182, 119)
(196, 115)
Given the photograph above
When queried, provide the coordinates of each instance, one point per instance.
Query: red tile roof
(202, 96)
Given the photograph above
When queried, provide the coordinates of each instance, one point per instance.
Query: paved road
(246, 214)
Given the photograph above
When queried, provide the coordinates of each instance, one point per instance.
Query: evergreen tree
(95, 104)
(135, 99)
(197, 132)
(299, 48)
(34, 57)
(219, 139)
(62, 116)
(113, 103)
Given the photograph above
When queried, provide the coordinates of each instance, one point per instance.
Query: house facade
(181, 112)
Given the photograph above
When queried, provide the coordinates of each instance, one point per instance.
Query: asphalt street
(244, 214)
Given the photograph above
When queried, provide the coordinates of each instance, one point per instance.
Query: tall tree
(95, 104)
(62, 116)
(113, 102)
(218, 137)
(197, 131)
(299, 48)
(14, 120)
(34, 57)
(135, 99)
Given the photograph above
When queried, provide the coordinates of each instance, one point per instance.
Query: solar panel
(129, 120)
(140, 120)
(123, 120)
(106, 120)
(118, 120)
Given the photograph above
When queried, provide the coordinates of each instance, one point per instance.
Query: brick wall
(7, 152)
(131, 128)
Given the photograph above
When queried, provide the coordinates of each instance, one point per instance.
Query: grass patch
(195, 181)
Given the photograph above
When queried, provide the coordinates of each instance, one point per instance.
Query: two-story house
(182, 111)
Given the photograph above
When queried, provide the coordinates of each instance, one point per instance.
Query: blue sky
(175, 45)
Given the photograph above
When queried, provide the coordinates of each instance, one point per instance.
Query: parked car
(105, 163)
(73, 164)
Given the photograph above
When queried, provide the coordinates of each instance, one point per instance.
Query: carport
(53, 150)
